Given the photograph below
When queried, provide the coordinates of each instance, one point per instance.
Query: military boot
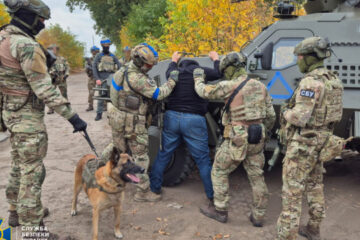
(256, 222)
(90, 108)
(51, 111)
(98, 117)
(211, 212)
(13, 219)
(148, 196)
(310, 232)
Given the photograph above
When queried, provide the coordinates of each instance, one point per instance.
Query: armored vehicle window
(283, 54)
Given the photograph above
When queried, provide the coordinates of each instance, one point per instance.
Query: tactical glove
(174, 75)
(199, 73)
(78, 123)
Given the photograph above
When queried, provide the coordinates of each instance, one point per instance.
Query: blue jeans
(192, 129)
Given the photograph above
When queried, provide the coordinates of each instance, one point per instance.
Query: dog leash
(87, 138)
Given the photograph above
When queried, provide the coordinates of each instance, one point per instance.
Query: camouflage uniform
(59, 72)
(318, 105)
(91, 82)
(104, 66)
(252, 105)
(26, 87)
(129, 125)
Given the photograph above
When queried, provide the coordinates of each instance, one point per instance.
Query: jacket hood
(188, 66)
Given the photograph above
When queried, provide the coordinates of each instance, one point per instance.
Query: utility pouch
(116, 118)
(254, 134)
(132, 102)
(2, 125)
(37, 104)
(332, 148)
(129, 124)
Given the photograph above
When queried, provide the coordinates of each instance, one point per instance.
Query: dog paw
(73, 212)
(118, 235)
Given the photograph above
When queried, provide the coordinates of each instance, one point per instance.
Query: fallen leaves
(221, 236)
(163, 232)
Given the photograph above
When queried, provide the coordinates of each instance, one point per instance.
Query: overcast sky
(78, 22)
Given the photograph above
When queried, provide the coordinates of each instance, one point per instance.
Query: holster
(132, 102)
(254, 134)
(332, 148)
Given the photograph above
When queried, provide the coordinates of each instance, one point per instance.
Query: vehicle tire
(180, 167)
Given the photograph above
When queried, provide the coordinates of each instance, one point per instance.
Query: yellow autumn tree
(4, 16)
(199, 26)
(70, 47)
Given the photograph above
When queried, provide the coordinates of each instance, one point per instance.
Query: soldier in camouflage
(26, 87)
(127, 56)
(317, 107)
(132, 92)
(91, 80)
(249, 116)
(59, 72)
(104, 66)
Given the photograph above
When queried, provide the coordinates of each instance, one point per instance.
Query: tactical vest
(58, 71)
(249, 104)
(107, 63)
(329, 107)
(88, 174)
(14, 86)
(125, 99)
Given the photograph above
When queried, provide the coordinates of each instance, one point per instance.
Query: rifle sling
(128, 83)
(236, 91)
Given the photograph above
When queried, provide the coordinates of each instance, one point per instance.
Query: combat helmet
(236, 59)
(105, 41)
(36, 6)
(144, 54)
(317, 45)
(94, 49)
(232, 65)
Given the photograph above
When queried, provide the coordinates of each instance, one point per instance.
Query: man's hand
(78, 123)
(174, 75)
(176, 57)
(98, 82)
(199, 73)
(214, 55)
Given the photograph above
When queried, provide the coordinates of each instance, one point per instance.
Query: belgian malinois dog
(108, 188)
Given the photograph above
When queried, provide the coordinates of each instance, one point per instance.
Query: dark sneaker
(311, 233)
(211, 212)
(90, 108)
(13, 219)
(98, 117)
(256, 223)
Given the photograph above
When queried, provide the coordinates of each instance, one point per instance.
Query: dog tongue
(133, 178)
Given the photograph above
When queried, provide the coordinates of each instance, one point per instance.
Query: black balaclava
(29, 18)
(106, 50)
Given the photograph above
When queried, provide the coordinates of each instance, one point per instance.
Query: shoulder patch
(307, 93)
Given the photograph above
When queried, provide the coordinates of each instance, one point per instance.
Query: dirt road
(145, 221)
